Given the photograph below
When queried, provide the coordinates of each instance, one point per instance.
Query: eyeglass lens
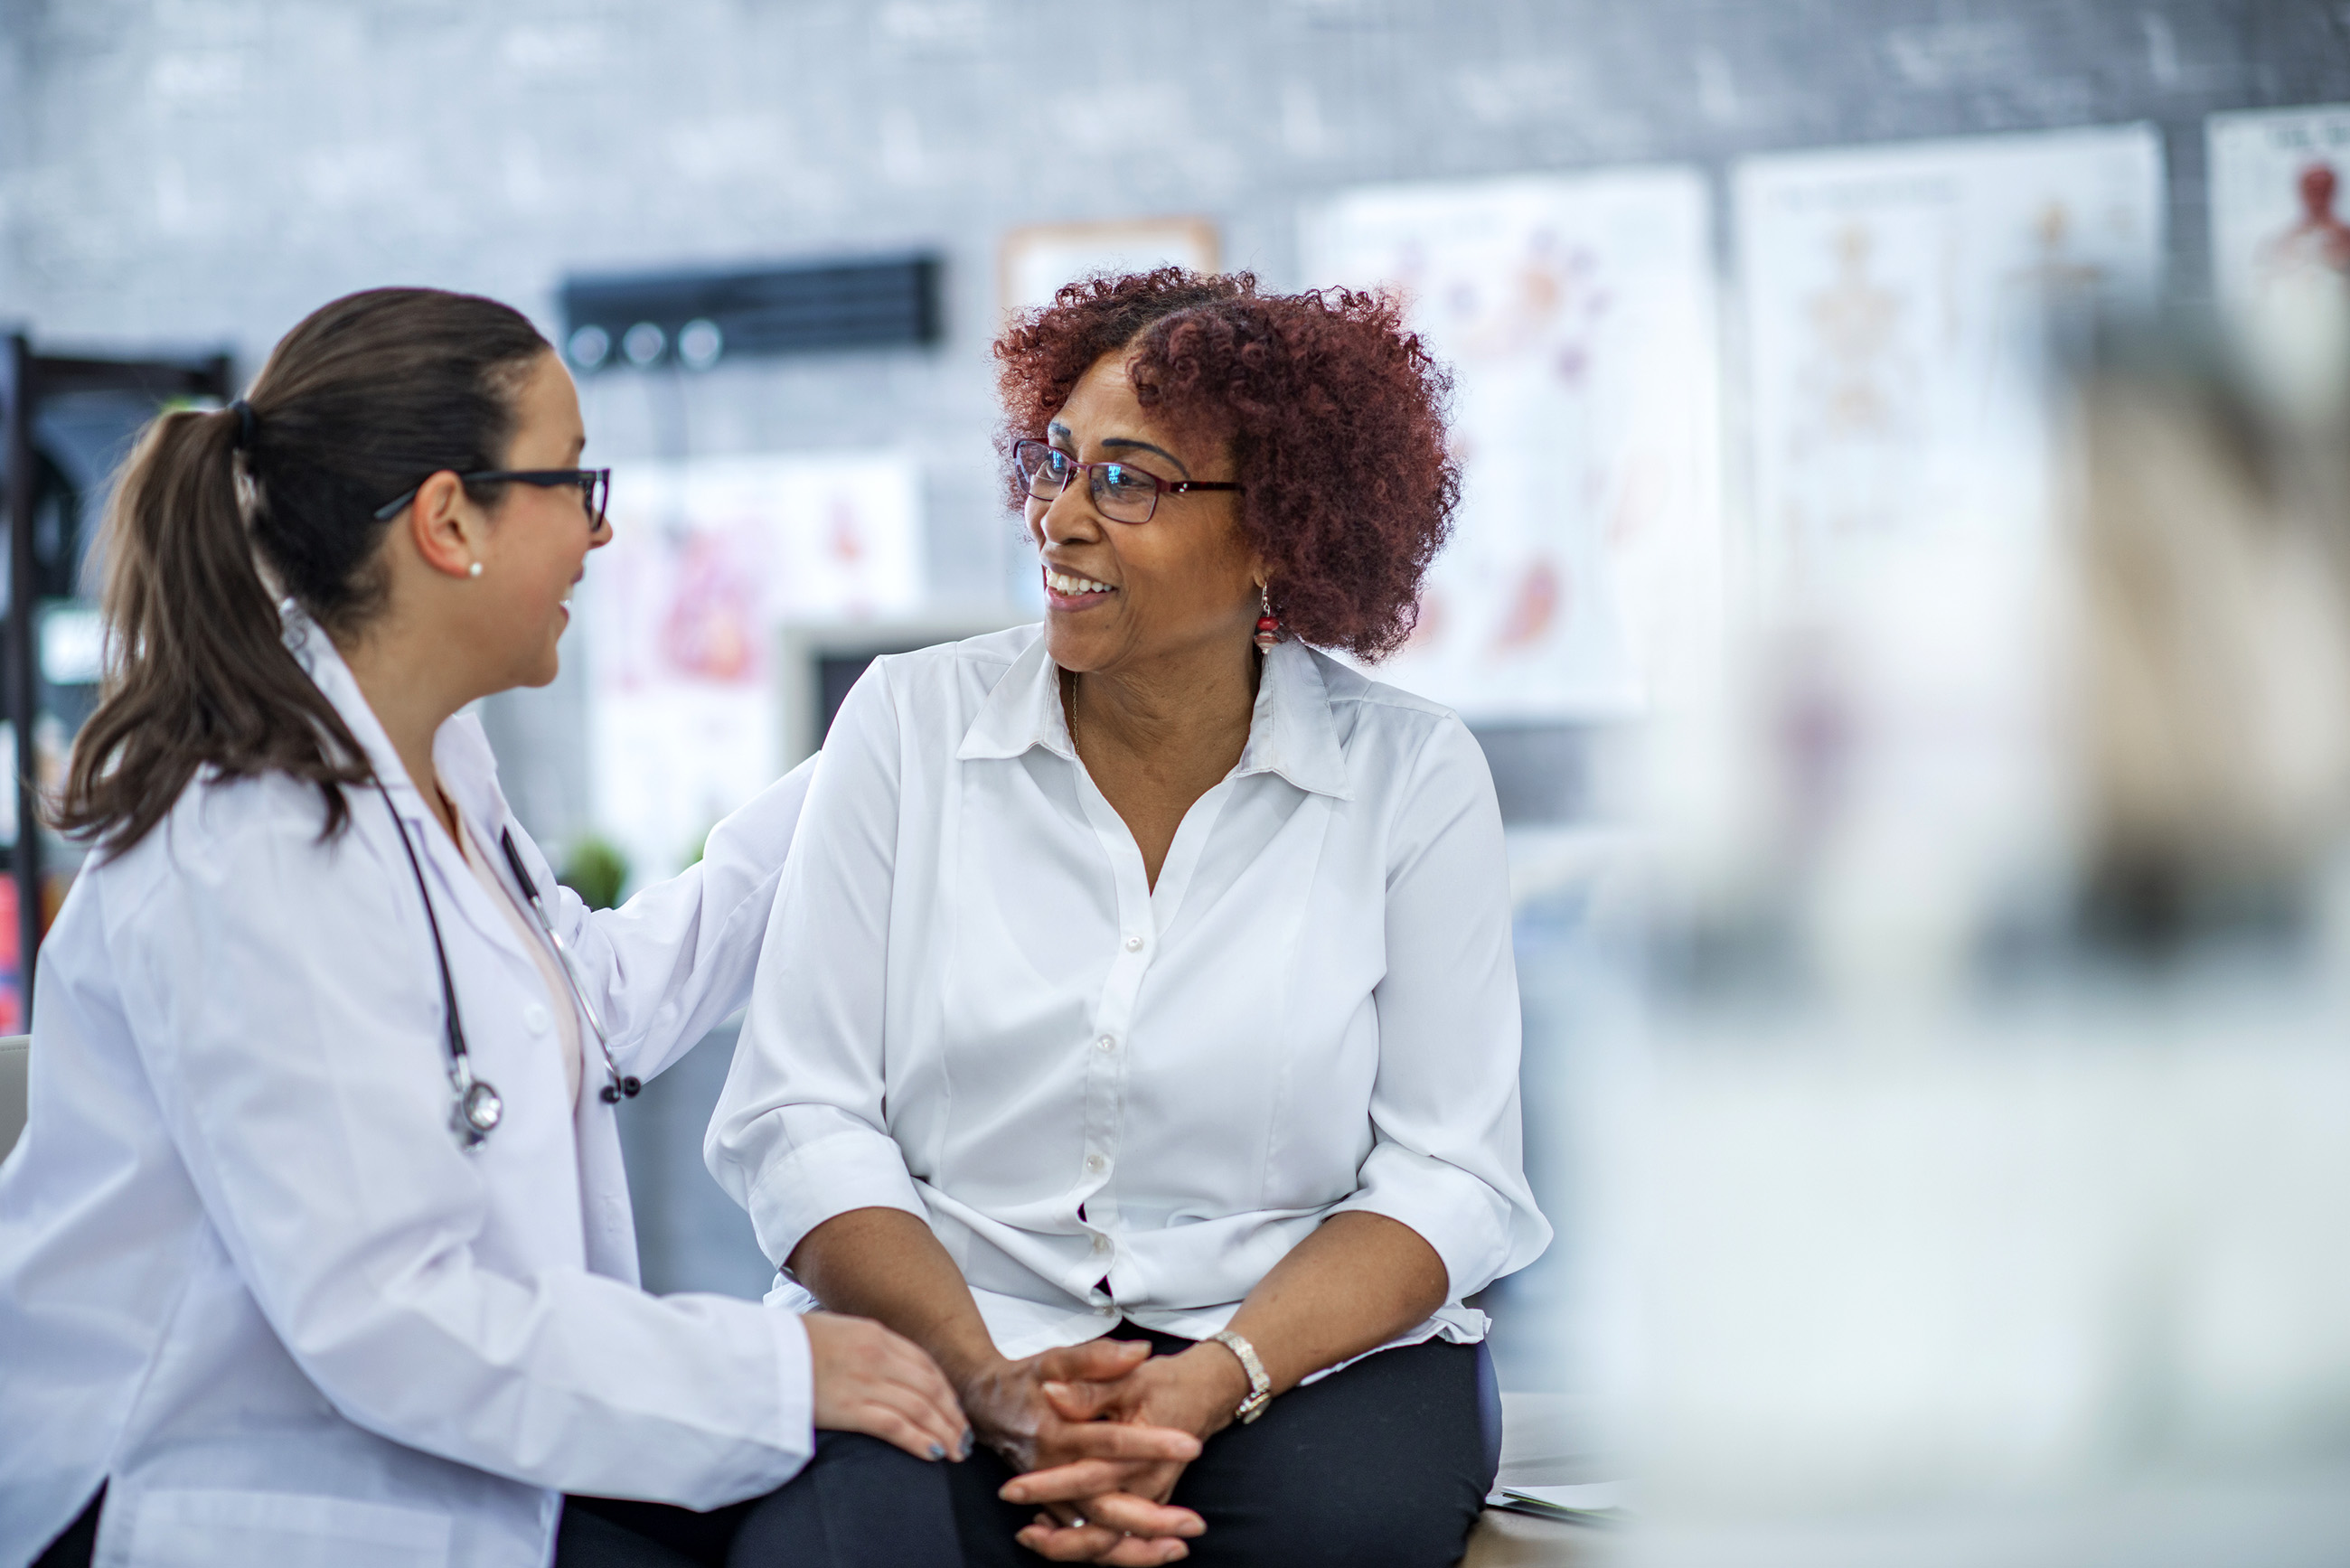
(1124, 495)
(595, 488)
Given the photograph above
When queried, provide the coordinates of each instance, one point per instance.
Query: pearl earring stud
(474, 570)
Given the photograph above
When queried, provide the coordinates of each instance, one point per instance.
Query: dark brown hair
(1334, 412)
(208, 526)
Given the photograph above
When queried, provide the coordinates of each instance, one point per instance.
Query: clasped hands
(1100, 1433)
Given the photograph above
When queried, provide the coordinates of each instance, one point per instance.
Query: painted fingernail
(938, 1450)
(970, 1441)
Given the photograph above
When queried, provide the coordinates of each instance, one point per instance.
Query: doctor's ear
(447, 528)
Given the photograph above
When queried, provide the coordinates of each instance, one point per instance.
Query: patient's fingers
(1133, 1515)
(1126, 1440)
(1079, 1479)
(1097, 1360)
(1113, 1448)
(1090, 1542)
(1083, 1401)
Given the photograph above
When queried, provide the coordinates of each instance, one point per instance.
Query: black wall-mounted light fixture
(695, 319)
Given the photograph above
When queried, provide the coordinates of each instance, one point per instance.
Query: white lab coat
(249, 1279)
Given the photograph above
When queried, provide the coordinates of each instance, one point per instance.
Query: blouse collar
(1292, 731)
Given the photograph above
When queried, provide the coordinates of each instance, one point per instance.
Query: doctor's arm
(286, 1003)
(670, 964)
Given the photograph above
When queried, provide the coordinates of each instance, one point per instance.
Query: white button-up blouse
(1109, 1100)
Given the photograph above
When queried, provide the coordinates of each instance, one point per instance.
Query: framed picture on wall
(1038, 258)
(2281, 243)
(1576, 316)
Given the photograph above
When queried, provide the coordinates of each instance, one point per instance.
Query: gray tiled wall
(206, 170)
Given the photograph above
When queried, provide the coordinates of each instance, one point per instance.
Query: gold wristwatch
(1259, 1392)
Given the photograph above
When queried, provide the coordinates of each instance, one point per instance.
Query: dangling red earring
(1268, 625)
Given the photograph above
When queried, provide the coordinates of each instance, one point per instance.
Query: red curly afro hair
(1335, 413)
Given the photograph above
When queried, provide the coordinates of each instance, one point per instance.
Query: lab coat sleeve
(671, 964)
(285, 1005)
(799, 1134)
(1447, 1155)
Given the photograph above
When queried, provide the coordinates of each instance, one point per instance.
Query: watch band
(1259, 1392)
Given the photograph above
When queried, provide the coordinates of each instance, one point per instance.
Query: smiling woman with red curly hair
(1142, 982)
(1332, 411)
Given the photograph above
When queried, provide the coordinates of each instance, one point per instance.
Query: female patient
(1147, 974)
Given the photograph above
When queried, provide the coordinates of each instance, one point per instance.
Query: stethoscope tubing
(620, 1086)
(478, 1108)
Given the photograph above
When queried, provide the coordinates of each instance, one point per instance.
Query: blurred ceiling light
(643, 343)
(699, 343)
(590, 345)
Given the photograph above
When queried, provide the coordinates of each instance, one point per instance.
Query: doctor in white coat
(316, 1248)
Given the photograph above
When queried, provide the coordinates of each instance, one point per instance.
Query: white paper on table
(1588, 1497)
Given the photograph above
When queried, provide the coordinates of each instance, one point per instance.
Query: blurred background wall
(200, 174)
(203, 171)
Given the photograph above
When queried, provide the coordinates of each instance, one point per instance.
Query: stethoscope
(478, 1109)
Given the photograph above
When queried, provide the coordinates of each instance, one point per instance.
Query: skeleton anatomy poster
(1577, 313)
(709, 557)
(1901, 306)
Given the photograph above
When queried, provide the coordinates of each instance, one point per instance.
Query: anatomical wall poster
(709, 558)
(1905, 307)
(2280, 243)
(1576, 315)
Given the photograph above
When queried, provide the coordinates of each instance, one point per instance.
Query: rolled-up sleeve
(1448, 1157)
(799, 1135)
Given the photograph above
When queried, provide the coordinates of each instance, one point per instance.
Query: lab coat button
(1133, 944)
(1095, 1163)
(534, 1019)
(1108, 1041)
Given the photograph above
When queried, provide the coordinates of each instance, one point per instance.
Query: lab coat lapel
(460, 752)
(468, 769)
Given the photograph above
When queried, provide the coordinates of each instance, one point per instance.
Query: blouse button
(1133, 944)
(534, 1019)
(1108, 1041)
(1095, 1163)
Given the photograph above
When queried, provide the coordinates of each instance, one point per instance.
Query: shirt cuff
(857, 1169)
(1462, 1218)
(795, 1382)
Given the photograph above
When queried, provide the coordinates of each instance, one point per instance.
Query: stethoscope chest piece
(479, 1110)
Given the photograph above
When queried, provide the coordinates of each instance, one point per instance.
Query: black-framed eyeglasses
(1122, 493)
(594, 484)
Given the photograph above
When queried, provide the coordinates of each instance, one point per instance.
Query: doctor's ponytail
(217, 515)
